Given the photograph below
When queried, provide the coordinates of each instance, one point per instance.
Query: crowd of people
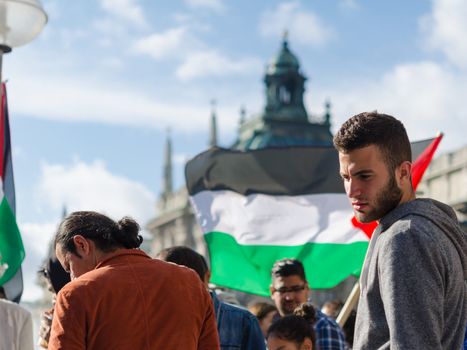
(413, 285)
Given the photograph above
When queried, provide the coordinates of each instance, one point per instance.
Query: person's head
(375, 163)
(186, 256)
(289, 287)
(332, 308)
(264, 312)
(53, 273)
(84, 238)
(293, 332)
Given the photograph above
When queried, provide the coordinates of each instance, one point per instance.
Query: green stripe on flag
(248, 267)
(11, 246)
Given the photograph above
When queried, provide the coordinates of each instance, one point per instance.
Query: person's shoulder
(321, 316)
(7, 304)
(172, 270)
(234, 308)
(413, 229)
(236, 311)
(323, 319)
(10, 307)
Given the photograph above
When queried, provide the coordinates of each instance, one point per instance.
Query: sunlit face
(266, 322)
(372, 190)
(275, 343)
(72, 263)
(288, 293)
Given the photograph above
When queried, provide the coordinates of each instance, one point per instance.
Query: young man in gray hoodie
(413, 282)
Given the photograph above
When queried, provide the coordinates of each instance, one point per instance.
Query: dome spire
(285, 38)
(213, 125)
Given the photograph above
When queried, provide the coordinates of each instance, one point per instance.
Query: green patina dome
(284, 60)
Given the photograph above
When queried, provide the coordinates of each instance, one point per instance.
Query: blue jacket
(237, 327)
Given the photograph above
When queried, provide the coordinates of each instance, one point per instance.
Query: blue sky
(92, 97)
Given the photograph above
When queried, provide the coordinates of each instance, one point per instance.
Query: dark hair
(107, 234)
(53, 271)
(261, 309)
(288, 267)
(295, 327)
(185, 256)
(372, 128)
(335, 307)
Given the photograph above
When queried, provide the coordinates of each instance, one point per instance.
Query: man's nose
(352, 188)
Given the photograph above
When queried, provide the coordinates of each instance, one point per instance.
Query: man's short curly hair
(373, 128)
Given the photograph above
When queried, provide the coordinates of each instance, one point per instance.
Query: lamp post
(20, 22)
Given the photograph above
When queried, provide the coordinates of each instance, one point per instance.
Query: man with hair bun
(120, 298)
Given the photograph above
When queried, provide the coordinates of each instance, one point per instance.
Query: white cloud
(80, 99)
(426, 96)
(127, 10)
(82, 186)
(212, 63)
(51, 7)
(109, 27)
(36, 239)
(197, 59)
(161, 45)
(446, 28)
(113, 63)
(216, 5)
(304, 27)
(180, 159)
(70, 37)
(349, 4)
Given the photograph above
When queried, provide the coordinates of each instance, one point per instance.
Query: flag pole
(349, 305)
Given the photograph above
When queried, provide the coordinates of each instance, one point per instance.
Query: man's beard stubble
(389, 198)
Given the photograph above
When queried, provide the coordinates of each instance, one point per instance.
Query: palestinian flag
(11, 246)
(260, 206)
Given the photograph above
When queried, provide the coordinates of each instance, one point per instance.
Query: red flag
(418, 169)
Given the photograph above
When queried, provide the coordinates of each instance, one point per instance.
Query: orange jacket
(130, 301)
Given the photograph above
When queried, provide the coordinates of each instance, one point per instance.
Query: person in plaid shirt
(289, 289)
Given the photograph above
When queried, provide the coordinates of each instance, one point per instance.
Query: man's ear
(82, 245)
(271, 290)
(404, 173)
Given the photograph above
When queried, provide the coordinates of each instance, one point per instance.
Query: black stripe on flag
(273, 171)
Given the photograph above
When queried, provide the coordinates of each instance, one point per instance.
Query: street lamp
(20, 22)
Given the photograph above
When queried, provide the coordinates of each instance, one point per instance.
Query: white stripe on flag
(260, 219)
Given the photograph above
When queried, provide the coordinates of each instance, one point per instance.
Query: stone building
(446, 180)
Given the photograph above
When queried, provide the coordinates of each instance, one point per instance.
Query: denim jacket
(237, 327)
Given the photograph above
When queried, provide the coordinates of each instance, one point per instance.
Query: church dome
(284, 61)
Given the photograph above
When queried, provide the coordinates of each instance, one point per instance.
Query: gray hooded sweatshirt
(414, 281)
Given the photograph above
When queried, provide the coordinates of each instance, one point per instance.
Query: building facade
(446, 180)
